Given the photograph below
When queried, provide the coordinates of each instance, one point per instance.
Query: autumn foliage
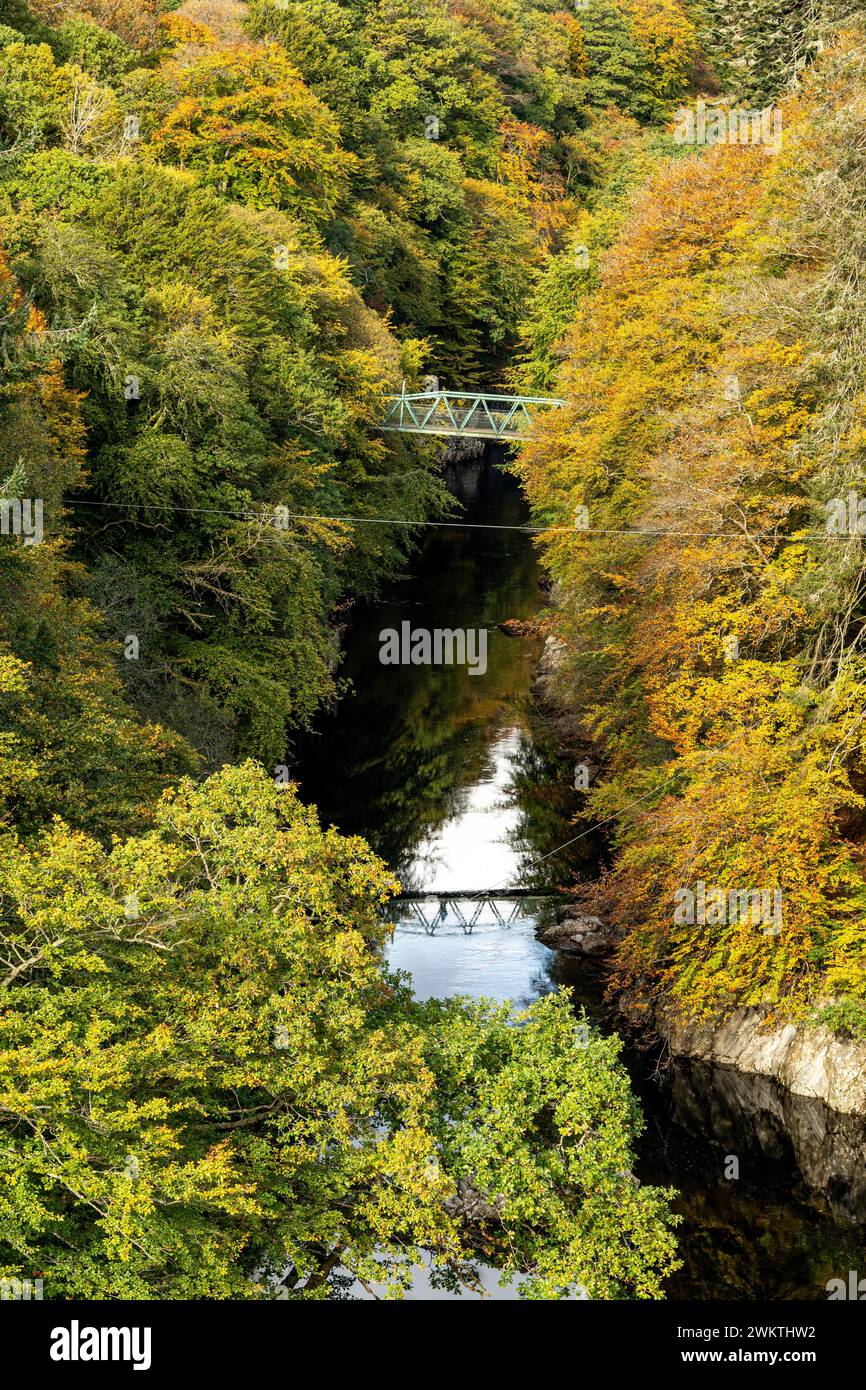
(712, 629)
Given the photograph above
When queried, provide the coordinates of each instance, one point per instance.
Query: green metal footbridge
(435, 911)
(466, 414)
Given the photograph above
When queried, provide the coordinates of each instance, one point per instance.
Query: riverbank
(804, 1058)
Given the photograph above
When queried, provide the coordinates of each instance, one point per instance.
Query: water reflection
(481, 947)
(453, 779)
(774, 1232)
(474, 849)
(449, 775)
(792, 1218)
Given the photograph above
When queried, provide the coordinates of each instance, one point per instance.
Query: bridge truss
(436, 911)
(466, 414)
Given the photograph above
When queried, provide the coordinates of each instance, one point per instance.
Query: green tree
(244, 120)
(70, 744)
(209, 1082)
(249, 407)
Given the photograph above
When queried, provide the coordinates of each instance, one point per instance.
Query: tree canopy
(228, 232)
(211, 1088)
(713, 626)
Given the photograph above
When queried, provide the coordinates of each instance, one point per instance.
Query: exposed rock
(806, 1059)
(579, 934)
(552, 658)
(544, 688)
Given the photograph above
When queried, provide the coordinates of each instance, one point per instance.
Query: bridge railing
(465, 414)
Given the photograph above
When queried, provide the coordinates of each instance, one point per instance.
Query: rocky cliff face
(789, 1093)
(805, 1059)
(808, 1061)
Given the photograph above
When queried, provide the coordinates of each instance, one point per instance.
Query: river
(455, 780)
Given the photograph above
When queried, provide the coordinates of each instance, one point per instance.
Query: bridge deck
(466, 415)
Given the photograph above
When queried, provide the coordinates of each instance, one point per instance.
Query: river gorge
(457, 782)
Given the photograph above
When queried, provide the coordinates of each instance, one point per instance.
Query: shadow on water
(455, 781)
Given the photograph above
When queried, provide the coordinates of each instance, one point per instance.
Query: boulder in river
(579, 934)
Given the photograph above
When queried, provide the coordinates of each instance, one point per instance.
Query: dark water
(455, 781)
(451, 776)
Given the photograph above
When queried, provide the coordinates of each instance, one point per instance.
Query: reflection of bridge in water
(435, 911)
